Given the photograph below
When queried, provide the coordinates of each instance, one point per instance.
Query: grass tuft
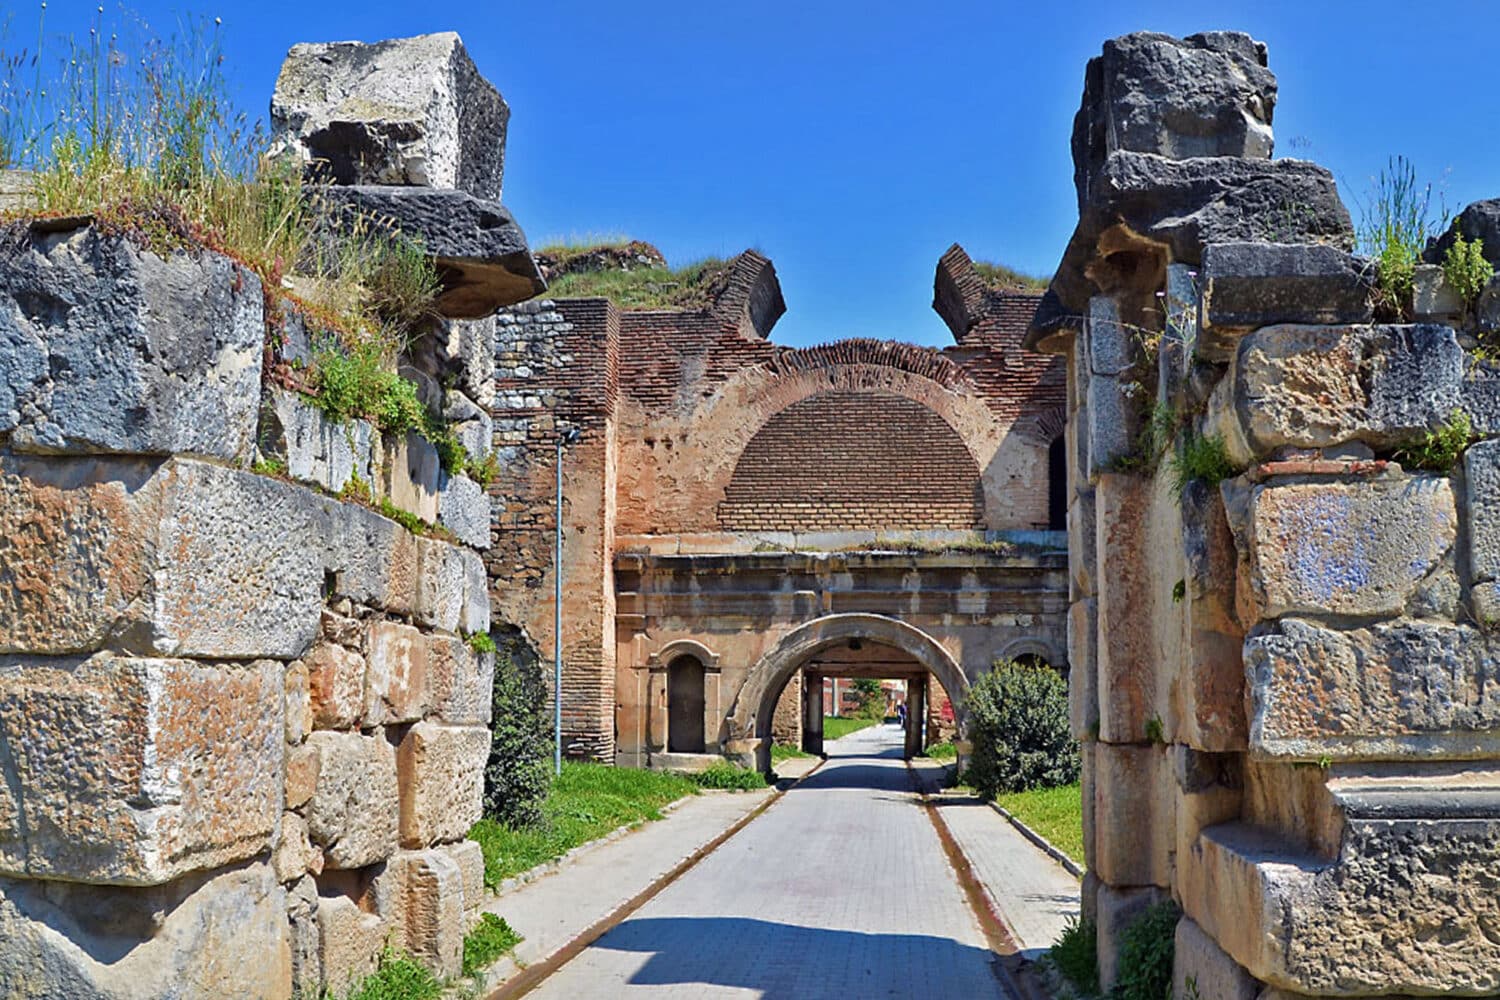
(1002, 278)
(941, 751)
(1076, 955)
(724, 776)
(692, 286)
(1201, 457)
(1439, 450)
(785, 751)
(490, 939)
(399, 977)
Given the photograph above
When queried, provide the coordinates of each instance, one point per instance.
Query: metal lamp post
(566, 437)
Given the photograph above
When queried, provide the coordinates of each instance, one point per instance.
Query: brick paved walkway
(839, 890)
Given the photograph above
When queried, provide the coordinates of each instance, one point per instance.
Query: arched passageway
(751, 719)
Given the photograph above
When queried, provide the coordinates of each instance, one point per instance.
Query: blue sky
(853, 142)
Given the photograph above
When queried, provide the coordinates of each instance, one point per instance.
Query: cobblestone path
(840, 889)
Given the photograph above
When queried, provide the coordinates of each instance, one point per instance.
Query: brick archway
(755, 705)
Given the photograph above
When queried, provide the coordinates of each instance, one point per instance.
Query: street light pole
(567, 437)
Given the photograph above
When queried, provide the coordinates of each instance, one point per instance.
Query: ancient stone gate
(727, 492)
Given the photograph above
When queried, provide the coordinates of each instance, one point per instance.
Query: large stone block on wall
(1208, 94)
(350, 940)
(1320, 386)
(411, 474)
(1251, 285)
(432, 908)
(1201, 968)
(1134, 824)
(469, 857)
(464, 509)
(107, 348)
(315, 447)
(1352, 548)
(134, 771)
(395, 674)
(372, 559)
(460, 682)
(115, 550)
(1392, 690)
(1083, 670)
(410, 111)
(1406, 908)
(442, 782)
(1482, 485)
(442, 576)
(1126, 652)
(221, 936)
(1208, 691)
(354, 814)
(336, 685)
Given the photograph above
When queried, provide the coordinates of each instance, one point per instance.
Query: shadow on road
(758, 955)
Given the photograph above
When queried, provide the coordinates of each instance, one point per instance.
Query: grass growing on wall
(692, 286)
(586, 802)
(1003, 278)
(1055, 813)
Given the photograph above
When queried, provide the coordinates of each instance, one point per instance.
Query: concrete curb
(1036, 838)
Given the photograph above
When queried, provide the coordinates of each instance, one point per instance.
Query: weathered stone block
(1250, 285)
(469, 857)
(1316, 387)
(350, 940)
(442, 575)
(1082, 555)
(1479, 220)
(1112, 422)
(106, 348)
(1413, 689)
(1201, 968)
(299, 712)
(336, 682)
(114, 550)
(460, 682)
(1117, 909)
(480, 252)
(1432, 299)
(372, 558)
(302, 913)
(302, 765)
(1126, 647)
(1083, 670)
(475, 614)
(316, 448)
(1208, 692)
(353, 814)
(1482, 486)
(442, 782)
(221, 936)
(1359, 548)
(410, 476)
(395, 688)
(432, 910)
(402, 111)
(1134, 822)
(134, 771)
(1404, 909)
(293, 855)
(468, 419)
(471, 346)
(464, 509)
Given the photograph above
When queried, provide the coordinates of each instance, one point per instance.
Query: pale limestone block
(442, 782)
(353, 814)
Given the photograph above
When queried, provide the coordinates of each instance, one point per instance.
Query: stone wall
(1283, 679)
(242, 727)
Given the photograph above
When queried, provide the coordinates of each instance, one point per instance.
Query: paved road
(839, 890)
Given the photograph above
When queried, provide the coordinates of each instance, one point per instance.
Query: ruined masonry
(1285, 682)
(242, 735)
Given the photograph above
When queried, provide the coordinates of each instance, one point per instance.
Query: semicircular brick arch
(755, 704)
(854, 460)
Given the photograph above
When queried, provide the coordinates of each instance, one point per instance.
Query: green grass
(941, 751)
(837, 726)
(691, 286)
(785, 751)
(1003, 278)
(725, 776)
(400, 977)
(586, 802)
(1075, 954)
(1055, 813)
(491, 938)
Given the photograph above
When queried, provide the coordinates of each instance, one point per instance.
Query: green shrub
(1076, 955)
(480, 642)
(1201, 457)
(871, 698)
(1018, 726)
(490, 938)
(519, 771)
(398, 977)
(1146, 951)
(1439, 450)
(359, 383)
(729, 777)
(1466, 270)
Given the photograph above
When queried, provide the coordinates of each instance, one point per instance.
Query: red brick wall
(854, 460)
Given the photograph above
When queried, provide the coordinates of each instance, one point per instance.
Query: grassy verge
(1055, 813)
(785, 751)
(725, 776)
(586, 802)
(400, 977)
(836, 726)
